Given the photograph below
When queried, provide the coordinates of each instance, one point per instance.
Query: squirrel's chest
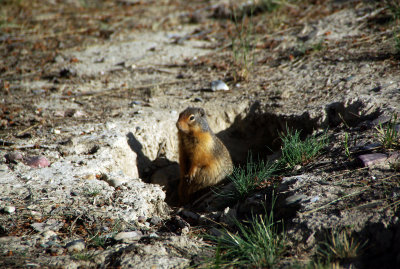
(197, 145)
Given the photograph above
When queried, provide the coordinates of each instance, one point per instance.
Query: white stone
(219, 85)
(185, 230)
(116, 182)
(48, 234)
(9, 209)
(75, 246)
(128, 237)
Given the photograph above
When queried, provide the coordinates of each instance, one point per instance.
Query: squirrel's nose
(183, 127)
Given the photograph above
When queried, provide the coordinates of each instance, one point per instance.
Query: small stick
(29, 128)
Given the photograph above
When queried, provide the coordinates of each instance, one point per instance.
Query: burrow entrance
(256, 130)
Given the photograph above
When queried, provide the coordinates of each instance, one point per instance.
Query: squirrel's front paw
(192, 173)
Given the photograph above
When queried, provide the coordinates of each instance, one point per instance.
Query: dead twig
(29, 128)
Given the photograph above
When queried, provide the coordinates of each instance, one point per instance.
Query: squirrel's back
(203, 159)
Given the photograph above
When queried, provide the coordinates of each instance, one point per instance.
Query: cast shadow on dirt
(142, 161)
(382, 245)
(161, 170)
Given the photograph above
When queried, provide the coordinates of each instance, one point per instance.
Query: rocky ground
(91, 90)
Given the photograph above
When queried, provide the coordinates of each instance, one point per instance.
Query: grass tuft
(98, 241)
(92, 192)
(83, 256)
(241, 46)
(247, 178)
(340, 246)
(394, 8)
(295, 151)
(256, 245)
(389, 136)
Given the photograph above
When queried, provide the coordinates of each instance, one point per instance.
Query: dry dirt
(95, 88)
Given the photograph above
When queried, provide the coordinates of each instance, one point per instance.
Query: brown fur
(203, 159)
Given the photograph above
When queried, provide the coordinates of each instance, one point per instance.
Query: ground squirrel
(203, 159)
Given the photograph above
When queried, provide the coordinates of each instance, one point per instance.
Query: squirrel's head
(192, 119)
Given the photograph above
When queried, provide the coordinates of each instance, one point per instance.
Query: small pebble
(59, 113)
(38, 226)
(89, 177)
(153, 235)
(36, 161)
(38, 91)
(155, 220)
(75, 246)
(9, 209)
(372, 159)
(138, 103)
(141, 219)
(49, 234)
(115, 182)
(198, 99)
(13, 157)
(219, 85)
(59, 59)
(127, 237)
(295, 199)
(79, 114)
(35, 213)
(185, 230)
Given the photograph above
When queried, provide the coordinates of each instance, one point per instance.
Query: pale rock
(219, 85)
(36, 161)
(48, 234)
(75, 246)
(128, 237)
(9, 209)
(185, 230)
(372, 159)
(116, 182)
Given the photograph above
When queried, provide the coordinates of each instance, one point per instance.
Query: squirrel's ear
(202, 112)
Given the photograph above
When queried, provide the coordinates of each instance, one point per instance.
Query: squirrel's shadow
(160, 171)
(142, 161)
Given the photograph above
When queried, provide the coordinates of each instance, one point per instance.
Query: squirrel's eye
(191, 117)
